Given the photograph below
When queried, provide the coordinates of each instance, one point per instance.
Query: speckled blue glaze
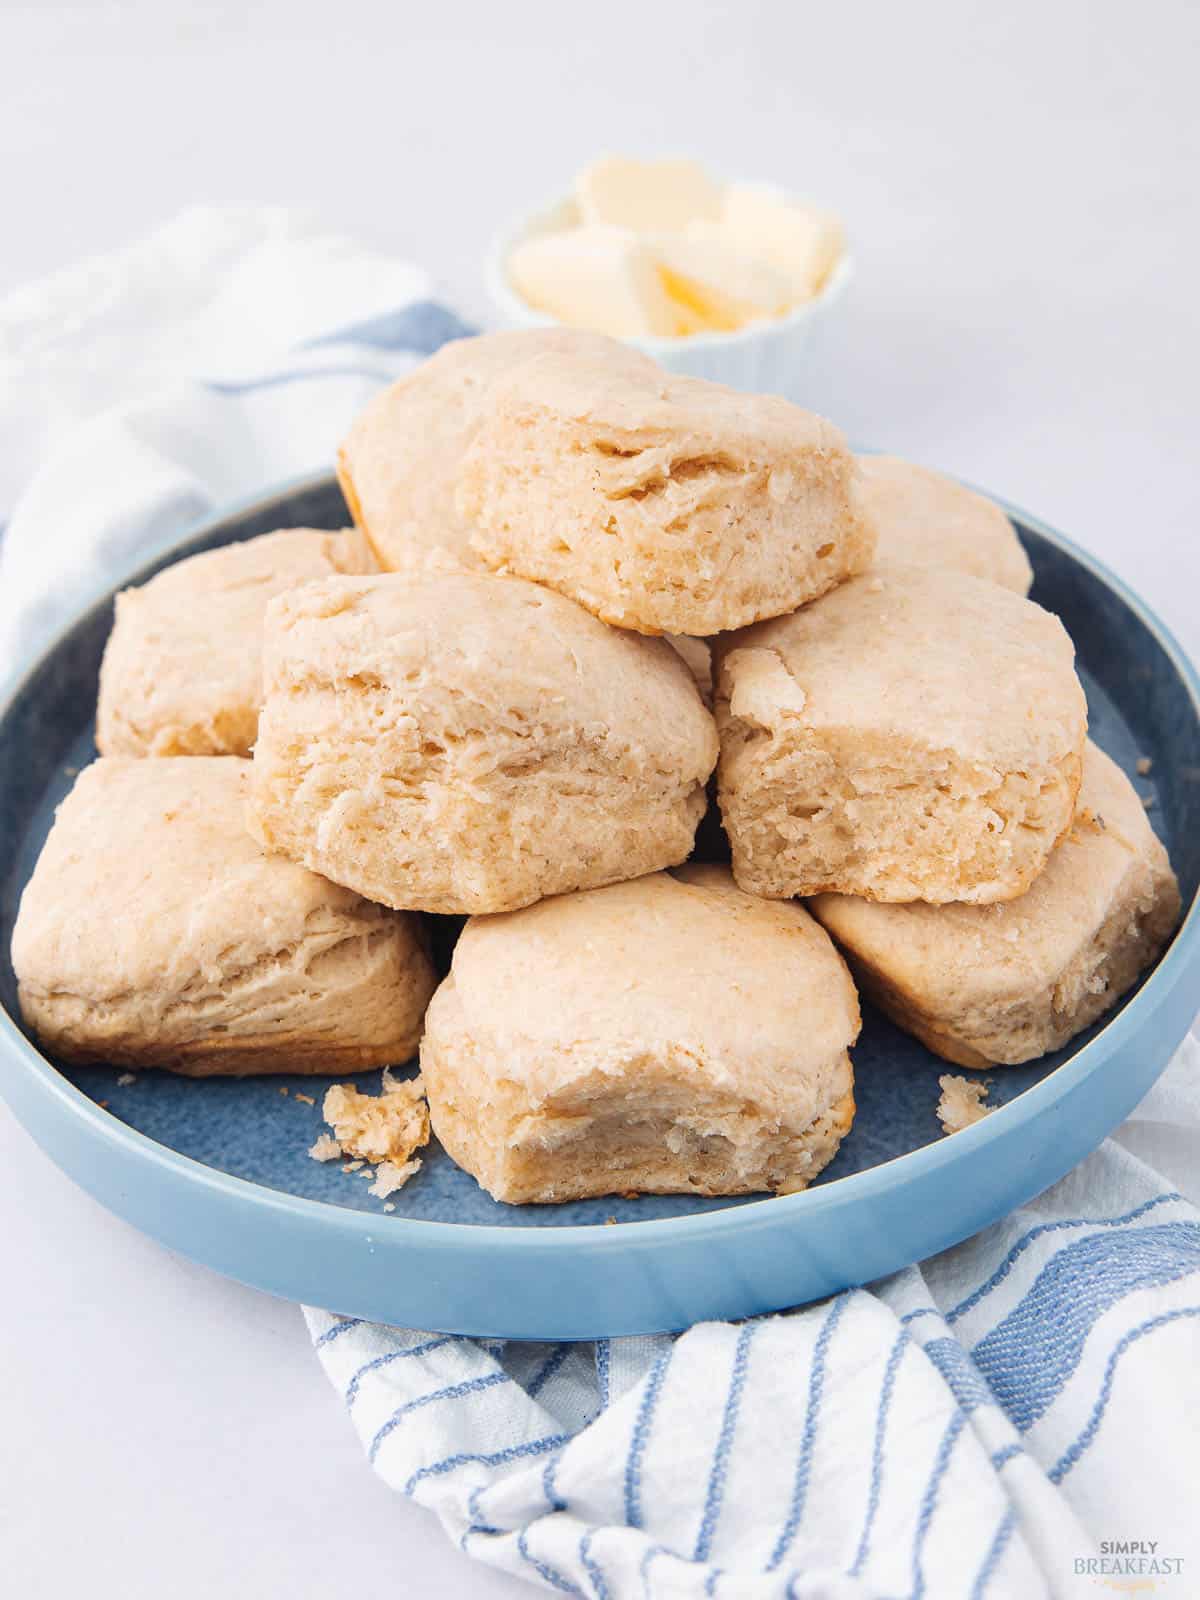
(219, 1169)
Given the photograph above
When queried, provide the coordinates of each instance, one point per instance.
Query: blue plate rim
(520, 1238)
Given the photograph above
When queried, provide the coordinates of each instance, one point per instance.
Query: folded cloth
(978, 1426)
(139, 392)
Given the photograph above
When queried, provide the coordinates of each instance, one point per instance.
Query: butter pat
(802, 244)
(596, 277)
(646, 196)
(719, 286)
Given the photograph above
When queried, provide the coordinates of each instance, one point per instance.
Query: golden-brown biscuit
(662, 504)
(1005, 983)
(468, 743)
(923, 519)
(398, 466)
(154, 932)
(182, 669)
(915, 735)
(670, 1035)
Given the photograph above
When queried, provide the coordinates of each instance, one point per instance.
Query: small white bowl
(766, 357)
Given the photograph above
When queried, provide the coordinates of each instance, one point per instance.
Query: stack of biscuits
(575, 588)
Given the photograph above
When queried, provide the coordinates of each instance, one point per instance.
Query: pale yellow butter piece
(596, 277)
(721, 286)
(803, 244)
(647, 196)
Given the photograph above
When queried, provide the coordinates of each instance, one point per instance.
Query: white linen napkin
(976, 1428)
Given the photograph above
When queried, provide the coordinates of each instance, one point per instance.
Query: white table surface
(1019, 182)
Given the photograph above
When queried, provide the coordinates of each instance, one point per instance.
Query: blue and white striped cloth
(976, 1428)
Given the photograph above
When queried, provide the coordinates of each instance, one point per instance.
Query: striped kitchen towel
(144, 390)
(1016, 1418)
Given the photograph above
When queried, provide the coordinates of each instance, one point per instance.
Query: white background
(1019, 182)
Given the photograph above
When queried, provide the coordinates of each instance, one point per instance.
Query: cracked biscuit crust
(982, 985)
(916, 735)
(671, 1035)
(182, 669)
(155, 932)
(469, 743)
(398, 466)
(662, 504)
(923, 519)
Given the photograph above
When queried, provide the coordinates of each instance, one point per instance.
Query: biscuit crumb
(961, 1103)
(305, 1099)
(389, 1206)
(326, 1148)
(609, 1221)
(103, 1104)
(353, 1166)
(1086, 820)
(392, 1175)
(1144, 765)
(126, 1079)
(384, 1127)
(283, 1089)
(1147, 801)
(795, 1185)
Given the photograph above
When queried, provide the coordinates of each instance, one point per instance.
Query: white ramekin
(767, 357)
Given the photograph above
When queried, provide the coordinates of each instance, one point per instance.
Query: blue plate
(219, 1170)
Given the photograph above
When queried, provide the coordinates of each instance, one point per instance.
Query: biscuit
(916, 735)
(662, 504)
(398, 465)
(467, 743)
(982, 985)
(670, 1036)
(182, 669)
(154, 932)
(697, 654)
(923, 519)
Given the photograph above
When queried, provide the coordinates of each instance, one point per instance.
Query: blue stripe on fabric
(336, 1331)
(280, 380)
(1028, 1356)
(478, 1522)
(1022, 1244)
(710, 1583)
(494, 1458)
(1002, 1457)
(599, 1582)
(816, 1384)
(422, 327)
(962, 1379)
(903, 1340)
(604, 1371)
(640, 1437)
(929, 1500)
(1059, 1471)
(652, 1554)
(992, 1560)
(544, 1570)
(921, 1311)
(549, 1486)
(454, 1391)
(720, 1463)
(547, 1370)
(386, 1360)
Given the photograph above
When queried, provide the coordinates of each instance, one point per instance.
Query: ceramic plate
(219, 1170)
